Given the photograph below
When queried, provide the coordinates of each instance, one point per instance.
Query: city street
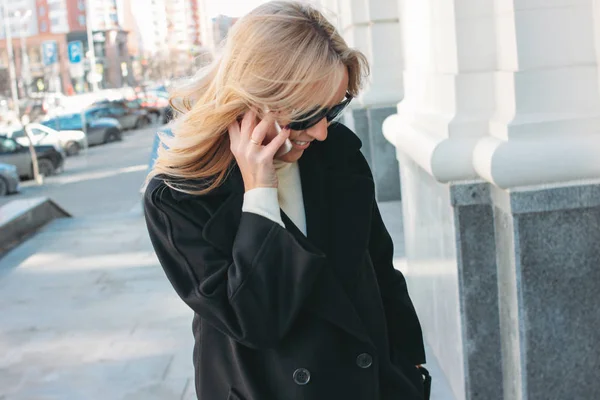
(103, 179)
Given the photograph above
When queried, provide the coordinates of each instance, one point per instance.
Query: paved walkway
(87, 314)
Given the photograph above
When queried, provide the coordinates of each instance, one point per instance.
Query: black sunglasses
(311, 119)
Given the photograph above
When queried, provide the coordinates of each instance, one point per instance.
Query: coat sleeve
(404, 329)
(253, 294)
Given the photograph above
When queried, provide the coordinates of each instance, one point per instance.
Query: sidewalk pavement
(87, 314)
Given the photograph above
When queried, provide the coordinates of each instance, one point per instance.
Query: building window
(55, 21)
(81, 20)
(42, 11)
(55, 6)
(81, 5)
(44, 26)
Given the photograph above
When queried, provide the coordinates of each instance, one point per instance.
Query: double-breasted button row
(364, 360)
(301, 376)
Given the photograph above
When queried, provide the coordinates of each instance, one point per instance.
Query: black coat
(282, 316)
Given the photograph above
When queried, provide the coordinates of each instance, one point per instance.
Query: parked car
(50, 158)
(156, 102)
(9, 179)
(130, 116)
(156, 111)
(98, 130)
(38, 105)
(70, 141)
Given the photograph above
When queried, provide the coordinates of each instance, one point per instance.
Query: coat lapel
(338, 207)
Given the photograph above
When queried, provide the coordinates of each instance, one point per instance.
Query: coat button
(364, 360)
(301, 376)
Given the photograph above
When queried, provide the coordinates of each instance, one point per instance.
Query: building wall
(177, 35)
(147, 24)
(105, 14)
(154, 27)
(76, 15)
(194, 21)
(58, 16)
(26, 28)
(43, 16)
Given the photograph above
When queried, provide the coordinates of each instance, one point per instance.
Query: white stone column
(505, 93)
(546, 125)
(372, 27)
(449, 84)
(449, 98)
(540, 155)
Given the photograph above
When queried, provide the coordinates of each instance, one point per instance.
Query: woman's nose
(318, 131)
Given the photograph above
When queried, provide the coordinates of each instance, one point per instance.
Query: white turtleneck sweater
(288, 196)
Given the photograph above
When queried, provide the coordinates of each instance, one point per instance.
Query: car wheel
(45, 167)
(72, 149)
(111, 136)
(142, 122)
(3, 187)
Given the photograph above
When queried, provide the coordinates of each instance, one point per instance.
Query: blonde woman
(261, 210)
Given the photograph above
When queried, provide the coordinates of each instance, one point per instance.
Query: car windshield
(95, 113)
(65, 122)
(18, 134)
(10, 133)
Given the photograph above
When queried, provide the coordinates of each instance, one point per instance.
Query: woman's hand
(255, 159)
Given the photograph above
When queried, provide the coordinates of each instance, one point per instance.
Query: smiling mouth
(302, 142)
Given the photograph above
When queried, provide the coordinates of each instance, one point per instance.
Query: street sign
(49, 52)
(75, 52)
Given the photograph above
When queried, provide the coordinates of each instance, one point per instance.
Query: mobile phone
(287, 145)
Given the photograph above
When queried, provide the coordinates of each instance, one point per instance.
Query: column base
(451, 272)
(548, 257)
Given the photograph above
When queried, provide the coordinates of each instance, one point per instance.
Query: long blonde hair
(284, 56)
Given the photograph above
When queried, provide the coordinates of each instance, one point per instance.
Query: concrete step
(21, 218)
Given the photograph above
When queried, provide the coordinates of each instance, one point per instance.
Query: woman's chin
(292, 156)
